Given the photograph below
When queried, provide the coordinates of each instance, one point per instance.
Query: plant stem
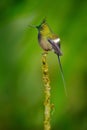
(47, 88)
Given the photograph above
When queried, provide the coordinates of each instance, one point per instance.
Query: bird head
(43, 28)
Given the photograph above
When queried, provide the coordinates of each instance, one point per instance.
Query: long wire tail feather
(61, 70)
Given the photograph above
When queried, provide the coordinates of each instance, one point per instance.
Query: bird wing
(55, 46)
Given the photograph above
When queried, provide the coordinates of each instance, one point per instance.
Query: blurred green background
(21, 85)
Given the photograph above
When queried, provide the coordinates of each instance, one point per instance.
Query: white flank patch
(56, 40)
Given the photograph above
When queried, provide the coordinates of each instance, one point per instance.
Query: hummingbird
(49, 41)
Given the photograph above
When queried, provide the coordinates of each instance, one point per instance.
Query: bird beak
(33, 26)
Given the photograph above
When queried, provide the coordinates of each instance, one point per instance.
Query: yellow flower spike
(47, 88)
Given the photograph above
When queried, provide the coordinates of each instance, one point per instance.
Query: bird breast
(44, 43)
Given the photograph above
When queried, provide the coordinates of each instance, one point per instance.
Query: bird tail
(61, 70)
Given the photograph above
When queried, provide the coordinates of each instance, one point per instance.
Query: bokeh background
(21, 85)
